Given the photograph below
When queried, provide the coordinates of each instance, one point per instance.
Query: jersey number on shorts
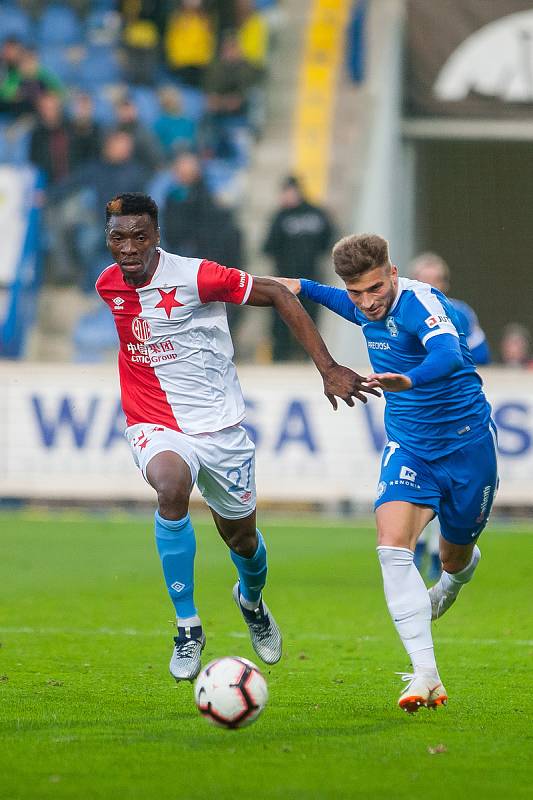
(235, 474)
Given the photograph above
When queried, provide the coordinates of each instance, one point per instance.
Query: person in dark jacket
(299, 234)
(194, 223)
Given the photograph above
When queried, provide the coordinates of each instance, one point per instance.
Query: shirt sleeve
(337, 300)
(223, 284)
(444, 357)
(427, 316)
(481, 353)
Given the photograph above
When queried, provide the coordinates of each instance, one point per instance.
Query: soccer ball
(230, 692)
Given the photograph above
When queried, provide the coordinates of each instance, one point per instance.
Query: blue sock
(252, 571)
(176, 545)
(420, 550)
(436, 567)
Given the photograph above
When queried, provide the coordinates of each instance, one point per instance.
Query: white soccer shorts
(222, 463)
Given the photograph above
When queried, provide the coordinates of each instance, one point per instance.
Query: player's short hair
(134, 204)
(356, 254)
(429, 259)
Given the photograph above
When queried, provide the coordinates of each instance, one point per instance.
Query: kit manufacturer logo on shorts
(382, 487)
(407, 474)
(391, 326)
(437, 319)
(141, 329)
(484, 504)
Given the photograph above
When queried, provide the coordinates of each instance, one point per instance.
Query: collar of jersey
(398, 293)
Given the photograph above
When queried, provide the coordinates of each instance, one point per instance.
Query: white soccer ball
(230, 692)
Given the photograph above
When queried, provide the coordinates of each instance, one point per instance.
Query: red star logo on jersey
(168, 301)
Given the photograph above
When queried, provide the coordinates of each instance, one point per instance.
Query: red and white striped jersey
(175, 357)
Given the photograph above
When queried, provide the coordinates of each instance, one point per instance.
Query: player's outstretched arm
(339, 381)
(391, 381)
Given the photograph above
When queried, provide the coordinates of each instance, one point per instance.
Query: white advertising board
(61, 436)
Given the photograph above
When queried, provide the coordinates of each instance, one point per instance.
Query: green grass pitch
(89, 711)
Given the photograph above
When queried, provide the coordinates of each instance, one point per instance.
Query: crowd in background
(162, 96)
(138, 95)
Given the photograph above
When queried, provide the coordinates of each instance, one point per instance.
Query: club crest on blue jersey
(391, 326)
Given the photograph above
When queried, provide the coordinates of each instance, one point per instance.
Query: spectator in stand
(229, 84)
(299, 234)
(515, 347)
(85, 133)
(58, 144)
(431, 268)
(189, 42)
(194, 224)
(252, 33)
(11, 100)
(81, 196)
(23, 79)
(229, 79)
(147, 148)
(140, 39)
(50, 139)
(174, 130)
(224, 14)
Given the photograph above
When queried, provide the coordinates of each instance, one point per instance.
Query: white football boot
(264, 632)
(187, 654)
(441, 600)
(422, 690)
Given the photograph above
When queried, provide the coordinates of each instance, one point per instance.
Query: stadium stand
(101, 60)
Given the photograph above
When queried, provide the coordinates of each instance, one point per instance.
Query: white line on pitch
(243, 635)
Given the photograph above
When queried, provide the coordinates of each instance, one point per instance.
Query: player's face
(374, 291)
(132, 241)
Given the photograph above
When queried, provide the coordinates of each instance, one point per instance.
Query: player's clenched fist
(346, 384)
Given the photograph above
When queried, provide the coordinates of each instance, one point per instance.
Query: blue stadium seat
(193, 102)
(147, 102)
(94, 336)
(59, 25)
(57, 60)
(104, 110)
(105, 5)
(102, 27)
(15, 22)
(14, 144)
(100, 66)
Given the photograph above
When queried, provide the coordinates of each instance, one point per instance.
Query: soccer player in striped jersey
(440, 458)
(184, 408)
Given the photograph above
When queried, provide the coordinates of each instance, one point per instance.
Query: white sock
(452, 582)
(409, 605)
(250, 605)
(188, 622)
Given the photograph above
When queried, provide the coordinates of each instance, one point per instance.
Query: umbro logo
(118, 303)
(177, 586)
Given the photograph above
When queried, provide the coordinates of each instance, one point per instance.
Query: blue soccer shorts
(459, 487)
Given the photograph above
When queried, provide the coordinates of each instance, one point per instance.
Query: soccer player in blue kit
(431, 268)
(440, 457)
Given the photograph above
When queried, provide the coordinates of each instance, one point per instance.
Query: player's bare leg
(458, 566)
(248, 553)
(171, 477)
(399, 524)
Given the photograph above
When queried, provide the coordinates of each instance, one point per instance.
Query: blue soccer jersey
(446, 407)
(475, 336)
